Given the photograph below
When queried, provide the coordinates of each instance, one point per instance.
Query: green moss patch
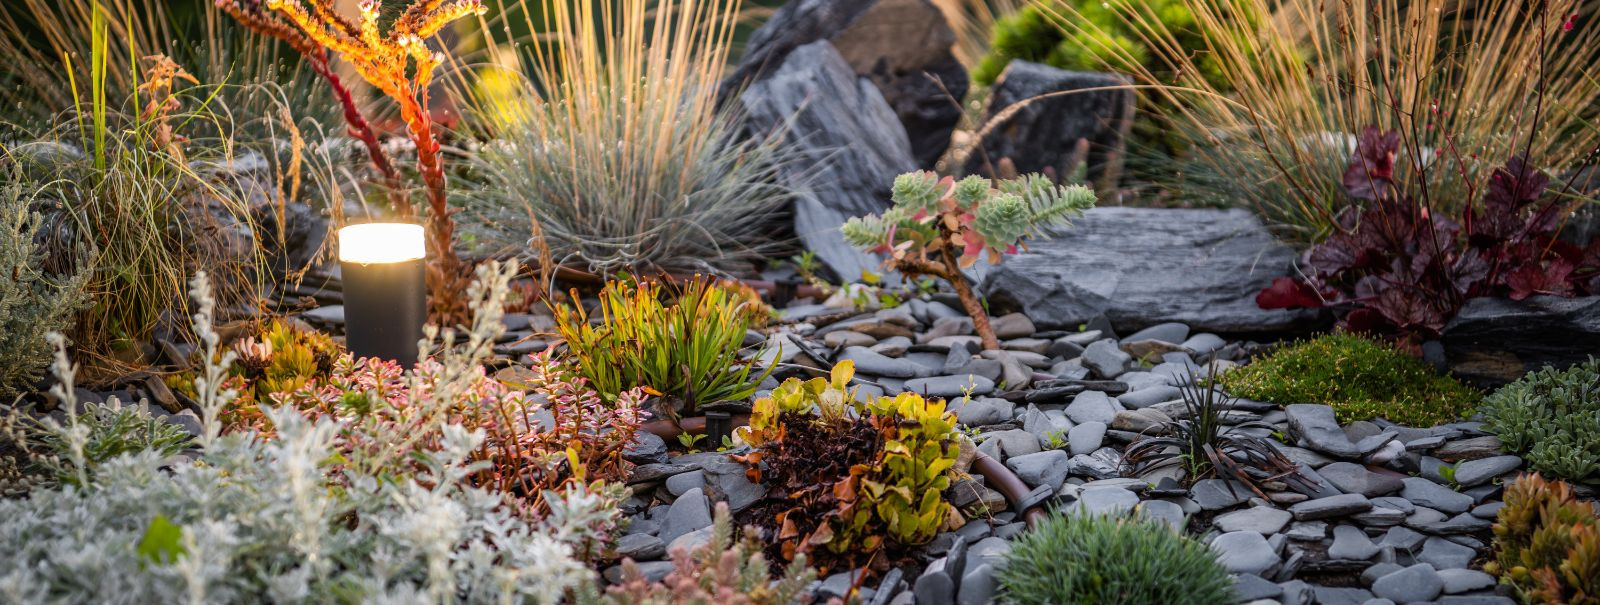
(1360, 378)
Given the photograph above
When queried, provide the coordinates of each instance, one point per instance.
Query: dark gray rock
(901, 46)
(935, 587)
(1352, 478)
(1478, 472)
(1143, 266)
(641, 547)
(1264, 520)
(951, 386)
(1350, 543)
(1333, 595)
(981, 411)
(1423, 492)
(1251, 587)
(1092, 406)
(870, 362)
(690, 512)
(1444, 554)
(977, 586)
(1105, 501)
(1414, 584)
(1218, 494)
(1106, 359)
(1244, 552)
(1043, 135)
(1047, 468)
(1332, 506)
(847, 143)
(1086, 438)
(1457, 581)
(1493, 341)
(646, 448)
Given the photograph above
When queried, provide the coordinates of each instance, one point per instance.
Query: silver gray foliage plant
(256, 520)
(33, 302)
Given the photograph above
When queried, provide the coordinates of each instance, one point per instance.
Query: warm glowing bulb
(381, 243)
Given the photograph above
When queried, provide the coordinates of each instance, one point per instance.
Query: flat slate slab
(1144, 266)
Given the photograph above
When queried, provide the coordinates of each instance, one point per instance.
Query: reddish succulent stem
(950, 270)
(359, 128)
(444, 272)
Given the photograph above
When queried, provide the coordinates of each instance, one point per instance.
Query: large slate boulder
(1143, 266)
(846, 145)
(1493, 341)
(1043, 135)
(902, 46)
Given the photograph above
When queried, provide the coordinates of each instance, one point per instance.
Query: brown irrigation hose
(996, 475)
(1006, 482)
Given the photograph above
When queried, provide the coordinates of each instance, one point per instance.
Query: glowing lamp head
(375, 243)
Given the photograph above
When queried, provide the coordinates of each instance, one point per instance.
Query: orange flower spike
(369, 23)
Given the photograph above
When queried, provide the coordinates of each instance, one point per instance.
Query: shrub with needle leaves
(937, 227)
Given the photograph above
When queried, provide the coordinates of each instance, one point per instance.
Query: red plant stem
(359, 128)
(980, 317)
(444, 271)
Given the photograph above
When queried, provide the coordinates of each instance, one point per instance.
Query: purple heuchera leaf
(1396, 267)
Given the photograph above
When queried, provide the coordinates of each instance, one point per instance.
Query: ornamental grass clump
(686, 349)
(1547, 543)
(1360, 378)
(1084, 560)
(937, 227)
(1272, 102)
(1552, 419)
(850, 482)
(602, 129)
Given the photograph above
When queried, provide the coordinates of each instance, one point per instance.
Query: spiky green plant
(686, 349)
(1552, 418)
(1203, 444)
(602, 130)
(1111, 561)
(938, 226)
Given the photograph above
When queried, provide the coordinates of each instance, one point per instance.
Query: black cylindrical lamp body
(385, 290)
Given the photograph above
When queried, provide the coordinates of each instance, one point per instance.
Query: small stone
(1244, 552)
(1164, 511)
(935, 588)
(869, 362)
(1172, 332)
(652, 571)
(893, 346)
(646, 448)
(1457, 581)
(1203, 343)
(848, 338)
(1048, 468)
(1401, 538)
(1106, 359)
(1251, 587)
(1470, 449)
(1414, 584)
(1086, 438)
(1307, 531)
(1260, 519)
(1378, 570)
(690, 512)
(1092, 406)
(1147, 397)
(1148, 421)
(1444, 554)
(1423, 492)
(1488, 510)
(1012, 325)
(1015, 442)
(1353, 478)
(977, 586)
(1332, 595)
(641, 547)
(1103, 463)
(951, 386)
(1352, 544)
(1105, 501)
(1332, 506)
(1217, 494)
(983, 411)
(691, 541)
(680, 484)
(1478, 472)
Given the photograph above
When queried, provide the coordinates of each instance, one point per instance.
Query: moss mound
(1360, 378)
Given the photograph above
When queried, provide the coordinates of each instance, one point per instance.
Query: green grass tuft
(1112, 561)
(1361, 378)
